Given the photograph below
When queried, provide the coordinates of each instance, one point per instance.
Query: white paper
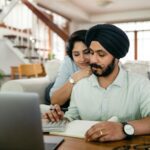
(78, 128)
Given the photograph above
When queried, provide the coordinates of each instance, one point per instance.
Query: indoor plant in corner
(1, 77)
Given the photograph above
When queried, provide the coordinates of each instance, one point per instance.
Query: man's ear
(116, 60)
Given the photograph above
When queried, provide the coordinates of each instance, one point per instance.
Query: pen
(63, 108)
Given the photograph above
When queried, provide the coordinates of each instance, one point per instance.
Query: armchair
(140, 67)
(36, 85)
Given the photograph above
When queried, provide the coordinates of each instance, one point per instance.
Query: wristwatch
(71, 80)
(128, 130)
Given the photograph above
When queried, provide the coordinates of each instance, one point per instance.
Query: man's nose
(93, 58)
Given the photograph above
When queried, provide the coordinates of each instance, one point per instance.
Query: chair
(14, 72)
(30, 70)
(34, 85)
(39, 69)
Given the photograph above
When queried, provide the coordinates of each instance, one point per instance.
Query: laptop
(20, 124)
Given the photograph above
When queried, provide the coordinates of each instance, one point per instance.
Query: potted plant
(1, 75)
(51, 56)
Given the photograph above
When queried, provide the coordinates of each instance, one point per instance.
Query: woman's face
(81, 55)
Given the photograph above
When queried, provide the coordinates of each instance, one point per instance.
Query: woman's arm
(61, 95)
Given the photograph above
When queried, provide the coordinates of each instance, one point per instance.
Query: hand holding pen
(54, 114)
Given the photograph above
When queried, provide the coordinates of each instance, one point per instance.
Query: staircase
(25, 46)
(5, 7)
(22, 40)
(41, 37)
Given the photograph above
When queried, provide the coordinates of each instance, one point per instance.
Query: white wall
(7, 58)
(130, 16)
(81, 25)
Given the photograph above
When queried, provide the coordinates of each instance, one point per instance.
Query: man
(110, 90)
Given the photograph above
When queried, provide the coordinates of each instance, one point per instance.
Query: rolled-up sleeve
(145, 99)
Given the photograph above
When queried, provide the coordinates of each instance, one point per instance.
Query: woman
(74, 68)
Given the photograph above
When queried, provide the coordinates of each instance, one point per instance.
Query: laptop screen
(21, 123)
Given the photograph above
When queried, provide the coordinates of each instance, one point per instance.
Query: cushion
(51, 68)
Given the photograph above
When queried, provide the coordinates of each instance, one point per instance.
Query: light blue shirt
(127, 98)
(67, 68)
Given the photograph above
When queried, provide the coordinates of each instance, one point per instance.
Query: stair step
(32, 57)
(36, 49)
(10, 36)
(41, 49)
(21, 46)
(24, 47)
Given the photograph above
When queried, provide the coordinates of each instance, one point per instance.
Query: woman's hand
(105, 131)
(82, 74)
(55, 114)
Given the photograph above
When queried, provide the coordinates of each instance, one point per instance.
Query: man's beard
(103, 73)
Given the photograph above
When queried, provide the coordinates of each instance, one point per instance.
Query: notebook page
(78, 128)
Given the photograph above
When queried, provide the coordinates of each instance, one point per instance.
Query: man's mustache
(96, 66)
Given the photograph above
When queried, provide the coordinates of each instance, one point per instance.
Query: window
(142, 29)
(58, 45)
(143, 45)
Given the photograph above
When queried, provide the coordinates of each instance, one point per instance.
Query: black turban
(112, 38)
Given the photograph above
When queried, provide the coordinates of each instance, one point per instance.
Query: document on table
(78, 128)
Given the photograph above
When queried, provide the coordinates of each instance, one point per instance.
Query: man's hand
(105, 131)
(55, 114)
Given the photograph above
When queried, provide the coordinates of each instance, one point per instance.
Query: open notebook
(78, 128)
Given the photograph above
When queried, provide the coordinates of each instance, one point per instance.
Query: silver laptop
(20, 124)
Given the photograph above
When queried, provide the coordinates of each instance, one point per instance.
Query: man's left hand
(105, 131)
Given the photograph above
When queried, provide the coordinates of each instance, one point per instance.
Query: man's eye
(101, 54)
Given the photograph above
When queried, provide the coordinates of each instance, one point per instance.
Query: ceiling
(100, 10)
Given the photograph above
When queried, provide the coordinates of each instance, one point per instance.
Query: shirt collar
(118, 81)
(94, 81)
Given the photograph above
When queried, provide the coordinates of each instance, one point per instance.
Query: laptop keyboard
(54, 126)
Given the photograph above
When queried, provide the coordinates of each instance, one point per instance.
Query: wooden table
(81, 144)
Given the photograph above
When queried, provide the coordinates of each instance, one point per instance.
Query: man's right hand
(54, 114)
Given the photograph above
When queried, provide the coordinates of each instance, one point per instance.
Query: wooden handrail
(2, 25)
(46, 20)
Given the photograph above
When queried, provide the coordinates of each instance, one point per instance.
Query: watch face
(71, 81)
(129, 130)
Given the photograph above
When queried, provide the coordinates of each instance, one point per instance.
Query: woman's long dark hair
(77, 36)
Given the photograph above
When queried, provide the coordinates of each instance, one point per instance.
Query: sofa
(35, 85)
(38, 85)
(140, 67)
